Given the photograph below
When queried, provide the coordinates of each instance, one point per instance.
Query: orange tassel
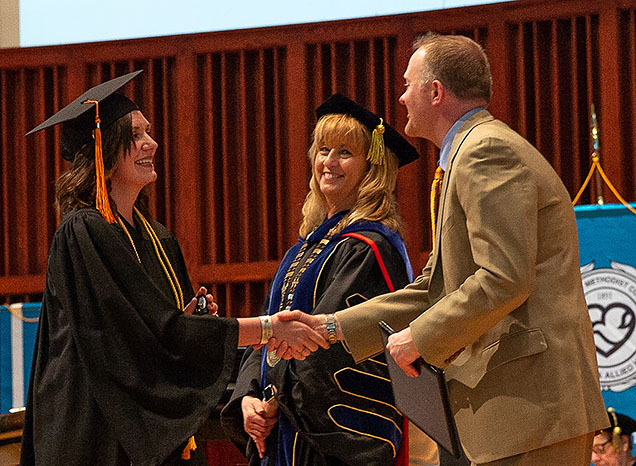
(101, 192)
(191, 446)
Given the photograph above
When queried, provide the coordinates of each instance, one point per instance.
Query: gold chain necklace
(289, 286)
(290, 282)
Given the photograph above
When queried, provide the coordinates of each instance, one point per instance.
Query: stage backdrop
(607, 244)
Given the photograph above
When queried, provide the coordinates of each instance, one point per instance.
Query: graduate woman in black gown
(121, 374)
(331, 411)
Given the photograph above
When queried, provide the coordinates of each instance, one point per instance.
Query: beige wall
(9, 23)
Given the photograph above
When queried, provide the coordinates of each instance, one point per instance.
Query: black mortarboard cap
(626, 424)
(340, 104)
(78, 118)
(79, 121)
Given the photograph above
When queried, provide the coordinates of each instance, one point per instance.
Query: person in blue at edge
(332, 411)
(614, 445)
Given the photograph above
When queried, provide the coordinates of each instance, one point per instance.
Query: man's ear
(437, 92)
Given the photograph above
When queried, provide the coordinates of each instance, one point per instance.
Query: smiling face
(339, 172)
(135, 168)
(416, 97)
(339, 160)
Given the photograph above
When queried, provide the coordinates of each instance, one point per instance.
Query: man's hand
(316, 322)
(293, 338)
(403, 350)
(259, 418)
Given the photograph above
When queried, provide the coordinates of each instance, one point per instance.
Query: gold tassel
(101, 192)
(616, 431)
(191, 446)
(376, 151)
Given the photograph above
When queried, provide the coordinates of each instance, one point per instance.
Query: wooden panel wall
(233, 114)
(626, 68)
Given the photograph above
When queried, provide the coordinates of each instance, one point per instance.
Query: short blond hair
(376, 193)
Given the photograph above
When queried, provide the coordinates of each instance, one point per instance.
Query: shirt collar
(444, 151)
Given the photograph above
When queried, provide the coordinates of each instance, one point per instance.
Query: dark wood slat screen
(627, 90)
(233, 112)
(554, 74)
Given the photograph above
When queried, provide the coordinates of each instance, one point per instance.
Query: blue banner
(607, 247)
(18, 329)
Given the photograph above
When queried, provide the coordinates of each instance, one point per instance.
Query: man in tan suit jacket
(500, 303)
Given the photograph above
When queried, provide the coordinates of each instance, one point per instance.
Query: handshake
(296, 334)
(286, 334)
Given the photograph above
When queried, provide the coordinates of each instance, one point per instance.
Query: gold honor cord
(161, 255)
(596, 165)
(163, 259)
(174, 284)
(123, 226)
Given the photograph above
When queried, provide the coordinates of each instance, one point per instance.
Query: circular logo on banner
(611, 301)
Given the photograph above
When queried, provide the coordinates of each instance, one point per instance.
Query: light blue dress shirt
(444, 151)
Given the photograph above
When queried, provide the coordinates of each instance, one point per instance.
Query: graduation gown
(120, 375)
(331, 410)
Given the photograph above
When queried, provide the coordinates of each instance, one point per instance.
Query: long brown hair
(376, 193)
(75, 188)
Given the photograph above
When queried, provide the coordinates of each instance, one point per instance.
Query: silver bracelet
(267, 331)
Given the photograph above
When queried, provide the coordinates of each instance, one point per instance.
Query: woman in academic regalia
(121, 374)
(331, 411)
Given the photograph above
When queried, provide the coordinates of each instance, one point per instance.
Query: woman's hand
(213, 308)
(259, 418)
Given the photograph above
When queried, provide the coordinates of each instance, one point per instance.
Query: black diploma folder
(423, 399)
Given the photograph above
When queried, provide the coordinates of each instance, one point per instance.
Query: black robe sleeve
(308, 389)
(118, 368)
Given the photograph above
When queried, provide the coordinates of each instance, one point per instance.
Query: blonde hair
(376, 193)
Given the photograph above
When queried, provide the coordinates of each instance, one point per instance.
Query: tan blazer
(500, 303)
